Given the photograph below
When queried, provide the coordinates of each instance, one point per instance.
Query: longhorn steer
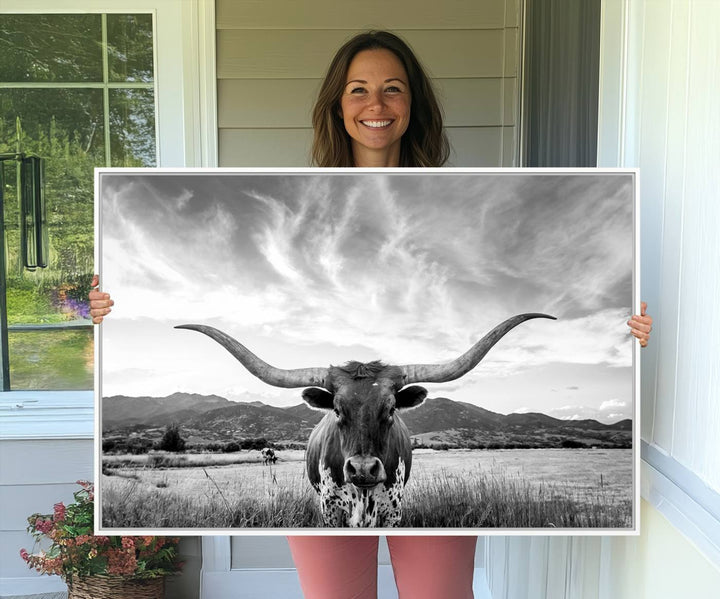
(359, 455)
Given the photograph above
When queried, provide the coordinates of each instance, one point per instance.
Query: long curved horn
(277, 377)
(442, 373)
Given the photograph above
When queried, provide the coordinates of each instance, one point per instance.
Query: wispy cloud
(403, 268)
(610, 411)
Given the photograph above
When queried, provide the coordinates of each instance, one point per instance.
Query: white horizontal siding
(45, 461)
(271, 58)
(350, 14)
(34, 475)
(19, 501)
(253, 54)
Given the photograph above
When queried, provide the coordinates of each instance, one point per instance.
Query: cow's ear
(318, 398)
(409, 397)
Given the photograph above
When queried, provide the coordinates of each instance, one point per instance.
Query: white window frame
(186, 129)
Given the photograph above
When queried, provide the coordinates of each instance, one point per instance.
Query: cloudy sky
(312, 269)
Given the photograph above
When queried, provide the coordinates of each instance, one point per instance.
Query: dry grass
(133, 504)
(245, 495)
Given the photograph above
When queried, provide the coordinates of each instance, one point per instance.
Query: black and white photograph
(297, 349)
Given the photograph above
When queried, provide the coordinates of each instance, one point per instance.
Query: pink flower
(44, 526)
(121, 561)
(128, 543)
(24, 554)
(59, 512)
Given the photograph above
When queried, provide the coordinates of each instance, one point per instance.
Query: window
(79, 91)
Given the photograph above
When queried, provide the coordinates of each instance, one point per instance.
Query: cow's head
(364, 399)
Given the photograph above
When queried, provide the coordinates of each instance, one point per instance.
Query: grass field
(447, 489)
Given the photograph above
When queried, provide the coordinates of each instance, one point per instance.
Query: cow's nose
(364, 471)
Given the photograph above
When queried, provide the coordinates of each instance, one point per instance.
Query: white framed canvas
(334, 351)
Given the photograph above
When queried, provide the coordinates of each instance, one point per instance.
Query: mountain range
(438, 421)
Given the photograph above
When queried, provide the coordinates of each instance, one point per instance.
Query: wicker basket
(116, 587)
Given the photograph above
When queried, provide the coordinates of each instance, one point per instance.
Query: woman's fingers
(100, 302)
(641, 325)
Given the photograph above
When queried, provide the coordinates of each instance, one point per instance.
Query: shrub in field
(138, 445)
(572, 444)
(231, 447)
(255, 443)
(171, 440)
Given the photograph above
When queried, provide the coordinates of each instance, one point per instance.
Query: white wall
(671, 130)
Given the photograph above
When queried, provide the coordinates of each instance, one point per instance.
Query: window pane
(65, 127)
(130, 47)
(54, 121)
(132, 127)
(50, 48)
(51, 359)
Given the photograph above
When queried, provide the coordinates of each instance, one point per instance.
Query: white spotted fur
(347, 505)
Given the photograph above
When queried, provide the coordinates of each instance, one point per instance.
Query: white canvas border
(633, 531)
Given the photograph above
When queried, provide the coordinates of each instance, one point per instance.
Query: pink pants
(346, 567)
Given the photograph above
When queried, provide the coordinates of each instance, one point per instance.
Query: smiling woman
(377, 107)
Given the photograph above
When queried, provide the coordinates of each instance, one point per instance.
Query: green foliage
(51, 359)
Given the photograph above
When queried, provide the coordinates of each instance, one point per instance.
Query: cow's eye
(337, 412)
(392, 412)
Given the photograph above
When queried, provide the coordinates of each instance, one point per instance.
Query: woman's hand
(99, 302)
(640, 326)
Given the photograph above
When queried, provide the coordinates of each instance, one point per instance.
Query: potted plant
(98, 567)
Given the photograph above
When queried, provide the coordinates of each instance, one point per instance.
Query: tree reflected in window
(79, 91)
